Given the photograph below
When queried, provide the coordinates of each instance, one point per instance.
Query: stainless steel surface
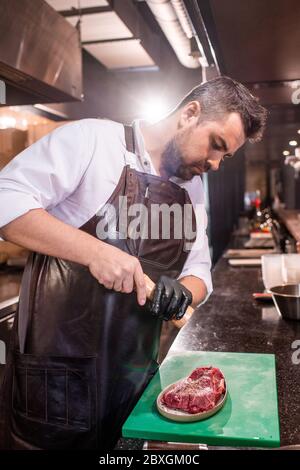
(40, 51)
(8, 302)
(6, 324)
(287, 300)
(10, 280)
(8, 307)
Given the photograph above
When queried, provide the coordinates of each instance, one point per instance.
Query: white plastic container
(279, 269)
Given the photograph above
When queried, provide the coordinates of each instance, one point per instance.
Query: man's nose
(214, 164)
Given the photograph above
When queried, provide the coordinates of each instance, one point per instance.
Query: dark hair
(224, 95)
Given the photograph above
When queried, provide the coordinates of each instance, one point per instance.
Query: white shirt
(72, 172)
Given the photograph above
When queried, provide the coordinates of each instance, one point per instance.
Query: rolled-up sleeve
(44, 174)
(198, 262)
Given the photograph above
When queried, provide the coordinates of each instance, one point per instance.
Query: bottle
(258, 219)
(288, 246)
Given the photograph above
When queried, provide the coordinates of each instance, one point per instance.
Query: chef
(85, 339)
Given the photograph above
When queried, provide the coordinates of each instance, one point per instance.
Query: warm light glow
(285, 153)
(293, 143)
(154, 110)
(21, 120)
(7, 122)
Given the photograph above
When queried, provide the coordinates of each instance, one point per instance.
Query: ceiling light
(298, 131)
(293, 143)
(285, 153)
(154, 110)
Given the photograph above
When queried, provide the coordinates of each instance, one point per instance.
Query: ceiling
(68, 4)
(101, 27)
(106, 34)
(255, 41)
(258, 42)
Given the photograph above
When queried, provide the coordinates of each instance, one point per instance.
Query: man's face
(200, 146)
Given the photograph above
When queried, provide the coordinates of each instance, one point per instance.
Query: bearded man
(85, 340)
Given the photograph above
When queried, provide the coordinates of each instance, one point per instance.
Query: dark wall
(291, 188)
(119, 95)
(226, 189)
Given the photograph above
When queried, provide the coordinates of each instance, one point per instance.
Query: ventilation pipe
(173, 19)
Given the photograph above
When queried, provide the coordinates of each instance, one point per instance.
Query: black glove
(170, 299)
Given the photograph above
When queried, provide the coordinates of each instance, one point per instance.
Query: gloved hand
(170, 299)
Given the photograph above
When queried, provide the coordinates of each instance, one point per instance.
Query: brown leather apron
(81, 354)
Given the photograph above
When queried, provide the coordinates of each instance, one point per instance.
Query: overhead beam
(103, 41)
(84, 11)
(134, 21)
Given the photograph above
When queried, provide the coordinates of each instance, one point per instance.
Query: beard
(173, 163)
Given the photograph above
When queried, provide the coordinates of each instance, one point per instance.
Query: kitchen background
(127, 59)
(62, 60)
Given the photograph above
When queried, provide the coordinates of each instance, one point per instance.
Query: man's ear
(190, 113)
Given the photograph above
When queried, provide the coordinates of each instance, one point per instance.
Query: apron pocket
(54, 401)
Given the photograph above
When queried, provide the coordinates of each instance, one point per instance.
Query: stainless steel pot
(287, 300)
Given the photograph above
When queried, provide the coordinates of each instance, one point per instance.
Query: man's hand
(119, 271)
(39, 231)
(170, 299)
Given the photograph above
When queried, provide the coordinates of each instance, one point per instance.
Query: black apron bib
(81, 354)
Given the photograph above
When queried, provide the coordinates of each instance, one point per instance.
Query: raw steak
(198, 392)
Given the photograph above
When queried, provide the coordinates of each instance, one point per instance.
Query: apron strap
(25, 306)
(129, 139)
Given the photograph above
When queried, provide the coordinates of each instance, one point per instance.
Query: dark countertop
(232, 321)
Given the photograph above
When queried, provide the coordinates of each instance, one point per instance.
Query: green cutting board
(248, 418)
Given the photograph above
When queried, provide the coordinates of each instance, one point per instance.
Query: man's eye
(216, 146)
